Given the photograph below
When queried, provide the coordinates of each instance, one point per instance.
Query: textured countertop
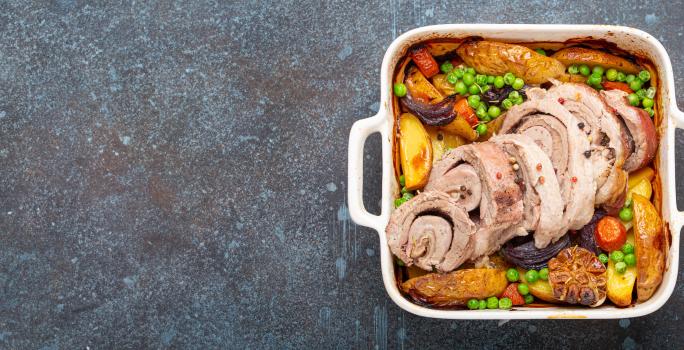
(173, 175)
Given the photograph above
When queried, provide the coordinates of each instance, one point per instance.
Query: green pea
(509, 78)
(611, 74)
(486, 87)
(598, 70)
(505, 303)
(529, 299)
(404, 190)
(490, 79)
(512, 275)
(633, 99)
(621, 267)
(452, 78)
(481, 129)
(471, 71)
(468, 79)
(446, 67)
(473, 304)
(617, 256)
(630, 259)
(629, 78)
(506, 103)
(402, 180)
(523, 289)
(407, 196)
(481, 112)
(399, 90)
(398, 202)
(531, 276)
(650, 92)
(494, 111)
(492, 302)
(628, 248)
(459, 72)
(621, 77)
(584, 70)
(635, 84)
(474, 101)
(603, 258)
(641, 93)
(499, 82)
(541, 51)
(626, 214)
(483, 304)
(594, 79)
(461, 88)
(544, 274)
(647, 102)
(518, 84)
(514, 95)
(518, 100)
(574, 69)
(650, 111)
(644, 76)
(473, 89)
(480, 79)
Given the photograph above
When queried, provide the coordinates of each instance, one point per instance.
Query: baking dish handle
(357, 139)
(679, 124)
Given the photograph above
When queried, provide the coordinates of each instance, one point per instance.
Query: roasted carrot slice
(464, 110)
(616, 85)
(424, 60)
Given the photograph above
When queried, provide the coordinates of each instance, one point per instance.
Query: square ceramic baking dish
(630, 39)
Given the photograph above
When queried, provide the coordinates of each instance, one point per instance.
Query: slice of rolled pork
(639, 130)
(542, 199)
(556, 132)
(479, 175)
(431, 230)
(606, 138)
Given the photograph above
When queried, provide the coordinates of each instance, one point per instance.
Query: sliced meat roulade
(607, 141)
(480, 176)
(543, 203)
(431, 230)
(640, 130)
(555, 131)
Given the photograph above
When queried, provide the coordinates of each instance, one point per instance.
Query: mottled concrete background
(173, 175)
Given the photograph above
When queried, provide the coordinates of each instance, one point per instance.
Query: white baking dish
(630, 39)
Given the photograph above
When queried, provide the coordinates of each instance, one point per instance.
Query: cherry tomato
(610, 233)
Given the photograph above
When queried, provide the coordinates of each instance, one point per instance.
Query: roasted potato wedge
(457, 287)
(443, 141)
(495, 58)
(420, 87)
(462, 128)
(619, 286)
(572, 78)
(415, 151)
(443, 48)
(580, 55)
(643, 188)
(650, 246)
(540, 289)
(439, 81)
(644, 173)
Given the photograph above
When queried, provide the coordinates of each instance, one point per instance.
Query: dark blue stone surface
(173, 175)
